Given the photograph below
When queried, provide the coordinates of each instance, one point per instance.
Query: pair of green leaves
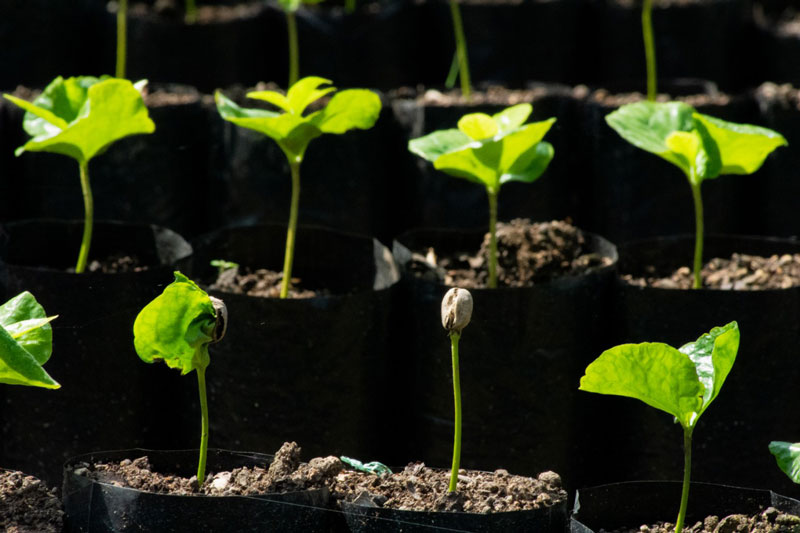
(703, 147)
(177, 327)
(81, 116)
(490, 150)
(682, 382)
(26, 342)
(352, 108)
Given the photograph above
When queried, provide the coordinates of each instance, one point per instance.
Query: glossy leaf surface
(176, 327)
(26, 341)
(787, 454)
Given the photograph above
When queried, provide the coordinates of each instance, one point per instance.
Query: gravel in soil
(260, 282)
(114, 264)
(770, 520)
(27, 505)
(740, 272)
(528, 254)
(491, 95)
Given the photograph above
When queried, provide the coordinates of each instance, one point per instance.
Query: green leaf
(787, 455)
(512, 117)
(478, 126)
(25, 342)
(742, 147)
(432, 146)
(273, 97)
(176, 327)
(353, 108)
(474, 164)
(306, 91)
(81, 117)
(530, 165)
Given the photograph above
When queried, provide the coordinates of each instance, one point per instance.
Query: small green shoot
(293, 131)
(26, 342)
(456, 314)
(176, 328)
(190, 12)
(491, 151)
(703, 147)
(223, 265)
(80, 118)
(649, 49)
(460, 60)
(373, 467)
(787, 454)
(290, 7)
(682, 382)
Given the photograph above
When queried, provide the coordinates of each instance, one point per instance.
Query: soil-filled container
(101, 506)
(522, 357)
(29, 504)
(778, 42)
(630, 505)
(108, 397)
(754, 406)
(313, 370)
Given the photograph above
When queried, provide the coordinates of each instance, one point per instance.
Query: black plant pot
(95, 507)
(108, 398)
(633, 504)
(315, 370)
(522, 357)
(751, 408)
(779, 46)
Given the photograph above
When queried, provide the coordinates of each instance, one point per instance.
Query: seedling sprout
(491, 151)
(177, 328)
(703, 147)
(81, 117)
(682, 382)
(352, 108)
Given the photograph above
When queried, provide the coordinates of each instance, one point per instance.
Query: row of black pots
(387, 44)
(202, 173)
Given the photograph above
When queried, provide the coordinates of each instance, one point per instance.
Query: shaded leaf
(787, 455)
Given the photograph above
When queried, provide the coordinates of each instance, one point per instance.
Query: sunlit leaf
(787, 455)
(25, 342)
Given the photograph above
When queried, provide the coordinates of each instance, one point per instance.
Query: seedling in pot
(293, 131)
(80, 118)
(703, 147)
(491, 151)
(456, 314)
(26, 342)
(177, 328)
(290, 7)
(682, 382)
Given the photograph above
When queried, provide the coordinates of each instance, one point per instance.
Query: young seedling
(491, 151)
(682, 382)
(80, 118)
(456, 314)
(290, 7)
(26, 342)
(460, 66)
(293, 131)
(177, 328)
(703, 147)
(649, 49)
(223, 265)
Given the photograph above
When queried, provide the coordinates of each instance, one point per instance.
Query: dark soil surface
(769, 521)
(27, 505)
(609, 99)
(494, 95)
(261, 282)
(114, 264)
(206, 14)
(740, 272)
(528, 254)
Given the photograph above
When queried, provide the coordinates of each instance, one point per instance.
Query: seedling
(456, 314)
(373, 467)
(177, 328)
(490, 150)
(703, 147)
(682, 382)
(26, 342)
(81, 117)
(353, 108)
(223, 265)
(460, 66)
(290, 7)
(649, 48)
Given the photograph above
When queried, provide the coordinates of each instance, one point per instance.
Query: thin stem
(122, 37)
(452, 76)
(649, 48)
(457, 397)
(461, 50)
(687, 476)
(492, 239)
(88, 218)
(201, 465)
(294, 49)
(698, 235)
(191, 12)
(349, 6)
(288, 258)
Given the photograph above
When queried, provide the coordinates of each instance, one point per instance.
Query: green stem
(288, 258)
(450, 82)
(201, 465)
(457, 397)
(698, 235)
(191, 12)
(649, 48)
(122, 37)
(687, 475)
(349, 6)
(461, 49)
(294, 49)
(492, 239)
(88, 218)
